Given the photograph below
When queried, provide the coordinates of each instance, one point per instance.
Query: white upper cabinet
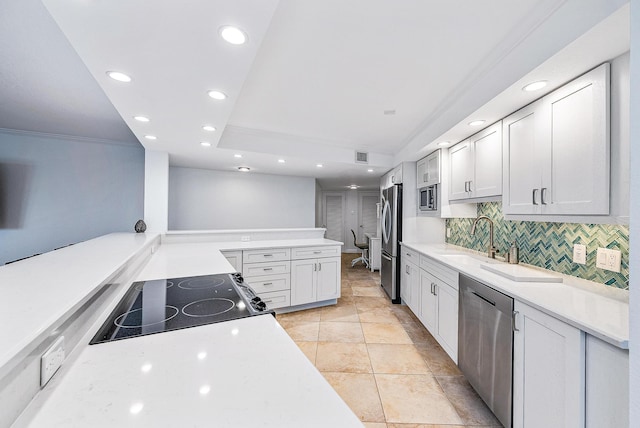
(556, 151)
(476, 165)
(428, 170)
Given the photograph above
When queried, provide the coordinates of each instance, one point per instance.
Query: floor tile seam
(449, 400)
(377, 392)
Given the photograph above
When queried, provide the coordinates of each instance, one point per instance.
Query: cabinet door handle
(315, 267)
(435, 289)
(513, 321)
(543, 192)
(466, 184)
(406, 270)
(470, 186)
(319, 266)
(533, 197)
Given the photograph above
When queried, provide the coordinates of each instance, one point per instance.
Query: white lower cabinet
(410, 283)
(607, 385)
(315, 280)
(235, 258)
(439, 311)
(548, 371)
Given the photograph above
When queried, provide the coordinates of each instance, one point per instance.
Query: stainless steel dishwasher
(485, 345)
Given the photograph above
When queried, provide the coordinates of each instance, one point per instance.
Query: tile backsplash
(547, 245)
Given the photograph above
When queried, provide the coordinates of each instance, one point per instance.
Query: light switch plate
(580, 254)
(608, 259)
(51, 360)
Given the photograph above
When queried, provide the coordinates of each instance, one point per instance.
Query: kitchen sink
(521, 273)
(467, 260)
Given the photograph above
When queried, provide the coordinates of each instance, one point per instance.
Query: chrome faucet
(491, 251)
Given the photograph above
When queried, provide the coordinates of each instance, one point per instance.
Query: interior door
(367, 215)
(334, 216)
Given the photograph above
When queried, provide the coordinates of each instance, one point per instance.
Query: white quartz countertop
(40, 291)
(241, 373)
(174, 260)
(583, 304)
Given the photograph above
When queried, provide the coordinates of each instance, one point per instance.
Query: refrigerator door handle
(384, 256)
(386, 222)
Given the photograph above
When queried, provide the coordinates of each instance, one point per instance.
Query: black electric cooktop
(162, 305)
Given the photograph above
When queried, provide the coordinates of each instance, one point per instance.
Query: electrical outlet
(448, 232)
(608, 259)
(245, 238)
(51, 360)
(580, 254)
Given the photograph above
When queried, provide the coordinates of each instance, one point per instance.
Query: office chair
(364, 248)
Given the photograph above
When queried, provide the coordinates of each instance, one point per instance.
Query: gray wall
(208, 199)
(56, 191)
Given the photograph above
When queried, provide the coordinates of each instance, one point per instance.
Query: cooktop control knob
(256, 299)
(261, 306)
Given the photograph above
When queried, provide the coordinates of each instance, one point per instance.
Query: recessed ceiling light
(476, 122)
(443, 143)
(319, 165)
(535, 86)
(217, 95)
(120, 77)
(209, 128)
(353, 187)
(244, 169)
(233, 35)
(280, 160)
(237, 155)
(141, 118)
(150, 137)
(205, 144)
(369, 170)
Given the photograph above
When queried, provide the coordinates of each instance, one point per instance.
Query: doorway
(334, 216)
(367, 214)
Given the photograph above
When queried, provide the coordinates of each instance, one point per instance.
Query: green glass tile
(547, 245)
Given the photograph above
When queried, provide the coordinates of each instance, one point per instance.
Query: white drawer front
(269, 283)
(259, 269)
(440, 271)
(277, 299)
(411, 256)
(266, 255)
(314, 252)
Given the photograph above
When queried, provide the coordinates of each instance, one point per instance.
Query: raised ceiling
(312, 84)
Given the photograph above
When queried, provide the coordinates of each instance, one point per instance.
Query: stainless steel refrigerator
(391, 225)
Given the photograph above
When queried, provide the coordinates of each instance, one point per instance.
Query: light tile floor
(382, 361)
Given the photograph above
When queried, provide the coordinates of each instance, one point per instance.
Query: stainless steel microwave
(428, 198)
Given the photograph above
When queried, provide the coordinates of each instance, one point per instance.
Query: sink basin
(521, 273)
(467, 260)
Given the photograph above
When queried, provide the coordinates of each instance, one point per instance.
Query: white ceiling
(311, 85)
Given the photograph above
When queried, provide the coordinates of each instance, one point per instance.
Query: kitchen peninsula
(218, 373)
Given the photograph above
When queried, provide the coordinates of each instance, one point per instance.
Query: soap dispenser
(514, 253)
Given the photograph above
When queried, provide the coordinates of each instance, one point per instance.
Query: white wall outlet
(580, 254)
(245, 238)
(51, 360)
(608, 259)
(448, 232)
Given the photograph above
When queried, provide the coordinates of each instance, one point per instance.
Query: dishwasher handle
(484, 298)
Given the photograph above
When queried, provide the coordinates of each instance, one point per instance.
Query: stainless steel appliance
(162, 305)
(391, 225)
(428, 198)
(485, 345)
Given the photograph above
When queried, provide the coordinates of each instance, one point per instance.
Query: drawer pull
(317, 252)
(267, 300)
(267, 255)
(266, 269)
(267, 283)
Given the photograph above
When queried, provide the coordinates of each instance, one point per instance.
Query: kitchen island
(246, 372)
